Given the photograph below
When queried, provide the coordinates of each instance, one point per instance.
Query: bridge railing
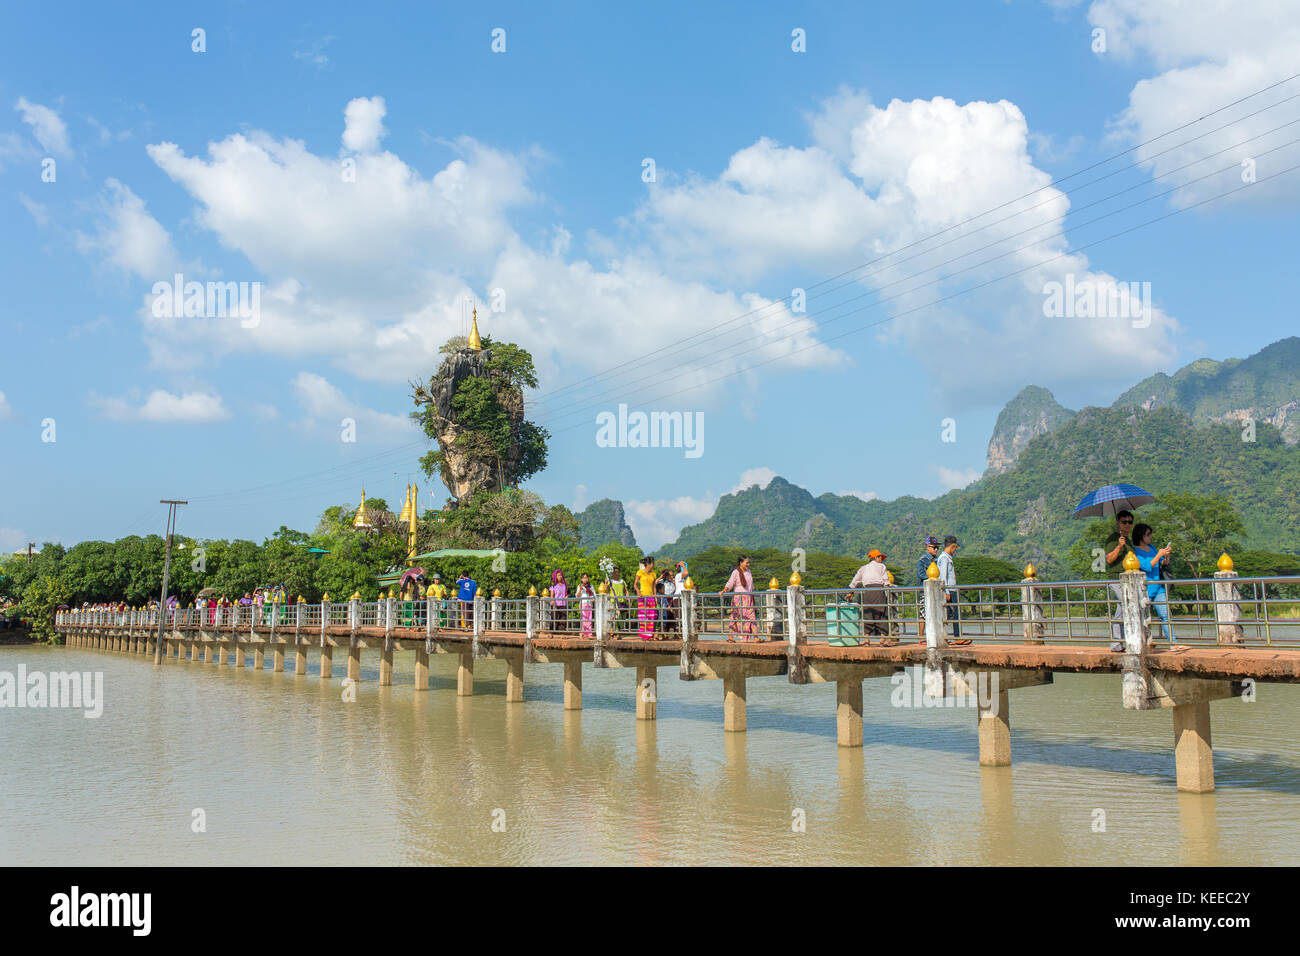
(743, 615)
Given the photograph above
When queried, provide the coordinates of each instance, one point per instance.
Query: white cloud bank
(188, 408)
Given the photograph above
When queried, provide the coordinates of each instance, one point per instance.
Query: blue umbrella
(1112, 499)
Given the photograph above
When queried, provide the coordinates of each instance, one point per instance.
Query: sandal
(959, 642)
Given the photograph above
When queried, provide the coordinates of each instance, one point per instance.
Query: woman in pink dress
(741, 583)
(559, 601)
(586, 595)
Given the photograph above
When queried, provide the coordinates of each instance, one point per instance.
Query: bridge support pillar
(647, 693)
(354, 661)
(193, 650)
(327, 661)
(259, 656)
(995, 730)
(386, 664)
(1193, 756)
(277, 662)
(207, 651)
(733, 703)
(241, 657)
(421, 668)
(300, 660)
(465, 674)
(223, 654)
(848, 712)
(515, 678)
(573, 685)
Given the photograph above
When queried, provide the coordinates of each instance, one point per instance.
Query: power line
(1054, 182)
(945, 276)
(963, 292)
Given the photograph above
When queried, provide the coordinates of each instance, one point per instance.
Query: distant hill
(1024, 513)
(603, 522)
(1264, 387)
(1169, 433)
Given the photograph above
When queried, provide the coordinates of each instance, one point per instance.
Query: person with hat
(438, 591)
(873, 577)
(948, 575)
(922, 572)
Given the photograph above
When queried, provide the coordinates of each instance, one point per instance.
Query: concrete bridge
(796, 637)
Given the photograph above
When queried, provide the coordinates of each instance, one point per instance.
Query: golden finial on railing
(891, 577)
(932, 572)
(795, 579)
(301, 599)
(1131, 562)
(602, 588)
(356, 596)
(774, 584)
(1031, 571)
(532, 590)
(689, 583)
(496, 592)
(546, 592)
(1225, 562)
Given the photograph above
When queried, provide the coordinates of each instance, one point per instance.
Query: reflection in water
(288, 771)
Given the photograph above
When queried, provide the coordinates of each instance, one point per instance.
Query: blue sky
(518, 177)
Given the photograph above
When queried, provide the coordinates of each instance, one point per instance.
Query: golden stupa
(475, 342)
(362, 520)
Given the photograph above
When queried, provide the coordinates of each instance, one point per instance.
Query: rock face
(466, 471)
(1032, 413)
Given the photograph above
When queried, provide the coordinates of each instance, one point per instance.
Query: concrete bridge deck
(1185, 680)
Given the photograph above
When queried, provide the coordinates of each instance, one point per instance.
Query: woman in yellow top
(646, 605)
(438, 591)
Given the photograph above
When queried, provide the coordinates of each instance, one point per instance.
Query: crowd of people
(652, 599)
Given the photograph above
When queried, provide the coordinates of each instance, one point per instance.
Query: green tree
(1200, 528)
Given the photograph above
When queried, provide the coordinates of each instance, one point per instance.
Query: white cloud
(189, 408)
(326, 407)
(47, 126)
(1211, 53)
(380, 269)
(37, 210)
(952, 478)
(7, 414)
(15, 149)
(762, 477)
(864, 495)
(129, 238)
(656, 522)
(579, 498)
(365, 124)
(875, 185)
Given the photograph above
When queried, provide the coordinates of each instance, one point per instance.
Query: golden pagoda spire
(475, 342)
(362, 520)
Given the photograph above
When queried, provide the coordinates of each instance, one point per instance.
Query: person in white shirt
(948, 575)
(873, 577)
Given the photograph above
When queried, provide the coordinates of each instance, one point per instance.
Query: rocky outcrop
(1032, 413)
(468, 462)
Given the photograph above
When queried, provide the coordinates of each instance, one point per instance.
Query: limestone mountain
(603, 522)
(1264, 387)
(1035, 411)
(1024, 513)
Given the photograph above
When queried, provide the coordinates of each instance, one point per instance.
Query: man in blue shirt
(466, 587)
(922, 569)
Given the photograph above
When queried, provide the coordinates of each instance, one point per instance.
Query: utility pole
(30, 545)
(167, 566)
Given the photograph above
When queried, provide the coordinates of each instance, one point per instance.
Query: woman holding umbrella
(1117, 500)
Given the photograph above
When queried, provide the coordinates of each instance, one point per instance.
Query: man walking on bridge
(1117, 544)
